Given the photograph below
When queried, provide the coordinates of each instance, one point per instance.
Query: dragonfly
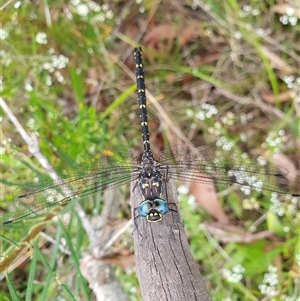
(109, 168)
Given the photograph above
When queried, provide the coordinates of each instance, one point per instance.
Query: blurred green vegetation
(222, 72)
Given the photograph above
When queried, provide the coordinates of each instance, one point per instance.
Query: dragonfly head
(153, 210)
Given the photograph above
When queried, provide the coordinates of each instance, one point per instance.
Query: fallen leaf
(190, 33)
(184, 34)
(283, 160)
(206, 197)
(160, 33)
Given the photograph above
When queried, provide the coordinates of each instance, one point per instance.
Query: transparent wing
(207, 164)
(87, 175)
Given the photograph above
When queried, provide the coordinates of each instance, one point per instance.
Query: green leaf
(274, 224)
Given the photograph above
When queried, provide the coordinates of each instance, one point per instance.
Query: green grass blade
(77, 85)
(52, 263)
(33, 268)
(12, 289)
(75, 256)
(54, 277)
(119, 100)
(204, 77)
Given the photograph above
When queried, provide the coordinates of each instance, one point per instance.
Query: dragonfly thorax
(150, 182)
(151, 187)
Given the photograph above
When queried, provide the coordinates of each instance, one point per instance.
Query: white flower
(3, 34)
(41, 38)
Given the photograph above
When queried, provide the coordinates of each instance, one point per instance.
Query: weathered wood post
(164, 263)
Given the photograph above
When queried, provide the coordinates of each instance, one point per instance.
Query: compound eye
(161, 206)
(144, 208)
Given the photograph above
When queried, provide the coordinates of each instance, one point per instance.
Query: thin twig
(116, 235)
(214, 243)
(62, 248)
(248, 101)
(6, 4)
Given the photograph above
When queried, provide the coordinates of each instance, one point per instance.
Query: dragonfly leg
(175, 221)
(136, 228)
(134, 187)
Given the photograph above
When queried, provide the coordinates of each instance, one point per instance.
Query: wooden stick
(164, 263)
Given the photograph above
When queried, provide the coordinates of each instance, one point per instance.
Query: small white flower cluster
(275, 140)
(237, 35)
(292, 82)
(289, 18)
(5, 59)
(243, 137)
(246, 189)
(99, 13)
(192, 202)
(55, 62)
(248, 10)
(183, 190)
(17, 4)
(292, 207)
(216, 129)
(52, 64)
(276, 207)
(199, 3)
(235, 275)
(261, 161)
(31, 123)
(261, 32)
(2, 150)
(206, 112)
(5, 143)
(224, 143)
(247, 182)
(28, 85)
(59, 62)
(142, 8)
(3, 34)
(41, 38)
(270, 281)
(245, 118)
(228, 119)
(289, 298)
(1, 84)
(250, 204)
